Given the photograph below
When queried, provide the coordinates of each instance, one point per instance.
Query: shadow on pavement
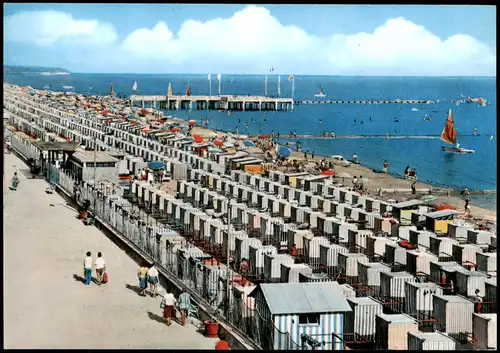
(156, 318)
(161, 319)
(135, 289)
(78, 278)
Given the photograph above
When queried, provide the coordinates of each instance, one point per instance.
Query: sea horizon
(434, 166)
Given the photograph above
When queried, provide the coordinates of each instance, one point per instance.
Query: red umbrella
(192, 122)
(175, 129)
(218, 143)
(198, 139)
(328, 172)
(264, 137)
(445, 207)
(146, 130)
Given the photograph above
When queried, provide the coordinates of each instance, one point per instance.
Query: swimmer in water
(320, 121)
(246, 125)
(354, 121)
(370, 119)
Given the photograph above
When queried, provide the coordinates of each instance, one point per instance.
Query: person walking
(142, 275)
(87, 268)
(15, 181)
(153, 280)
(168, 303)
(386, 166)
(184, 302)
(467, 207)
(100, 267)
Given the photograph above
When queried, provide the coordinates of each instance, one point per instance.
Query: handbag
(105, 277)
(162, 304)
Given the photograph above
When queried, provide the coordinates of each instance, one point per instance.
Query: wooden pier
(237, 103)
(248, 103)
(397, 101)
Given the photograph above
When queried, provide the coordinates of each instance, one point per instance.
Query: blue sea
(476, 171)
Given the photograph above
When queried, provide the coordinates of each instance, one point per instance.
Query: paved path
(45, 307)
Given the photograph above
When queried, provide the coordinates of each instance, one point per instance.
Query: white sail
(209, 77)
(134, 87)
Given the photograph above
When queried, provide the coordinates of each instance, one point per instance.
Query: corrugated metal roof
(304, 298)
(409, 203)
(88, 157)
(439, 214)
(397, 318)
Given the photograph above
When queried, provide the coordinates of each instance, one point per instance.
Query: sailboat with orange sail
(449, 135)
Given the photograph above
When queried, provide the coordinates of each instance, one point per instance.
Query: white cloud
(45, 28)
(254, 37)
(252, 41)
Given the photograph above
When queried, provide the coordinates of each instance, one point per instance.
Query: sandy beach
(376, 180)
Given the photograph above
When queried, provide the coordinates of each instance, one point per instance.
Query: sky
(354, 40)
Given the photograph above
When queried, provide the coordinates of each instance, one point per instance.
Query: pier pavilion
(241, 103)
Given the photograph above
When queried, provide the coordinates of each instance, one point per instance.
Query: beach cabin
(402, 211)
(438, 221)
(106, 166)
(288, 310)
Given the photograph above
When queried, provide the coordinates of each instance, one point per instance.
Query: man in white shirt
(153, 280)
(100, 267)
(87, 268)
(168, 303)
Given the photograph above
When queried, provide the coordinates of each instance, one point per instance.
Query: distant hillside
(12, 69)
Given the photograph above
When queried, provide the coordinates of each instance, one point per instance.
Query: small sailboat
(321, 93)
(449, 135)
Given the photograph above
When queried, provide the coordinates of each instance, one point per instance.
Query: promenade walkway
(46, 307)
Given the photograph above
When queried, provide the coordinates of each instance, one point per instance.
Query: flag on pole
(209, 77)
(219, 76)
(290, 78)
(134, 87)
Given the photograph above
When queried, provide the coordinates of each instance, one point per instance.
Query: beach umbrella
(189, 138)
(249, 143)
(445, 206)
(146, 130)
(406, 244)
(213, 150)
(328, 172)
(284, 151)
(192, 122)
(428, 198)
(175, 129)
(156, 165)
(198, 139)
(229, 144)
(218, 143)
